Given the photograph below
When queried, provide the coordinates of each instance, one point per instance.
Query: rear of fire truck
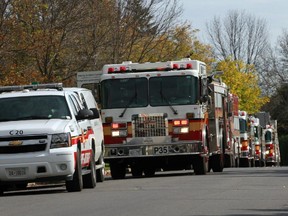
(155, 117)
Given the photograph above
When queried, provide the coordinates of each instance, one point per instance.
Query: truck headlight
(60, 140)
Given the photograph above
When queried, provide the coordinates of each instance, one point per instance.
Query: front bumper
(31, 167)
(151, 150)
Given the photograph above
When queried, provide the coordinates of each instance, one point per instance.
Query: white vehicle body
(47, 135)
(258, 149)
(270, 139)
(246, 156)
(155, 117)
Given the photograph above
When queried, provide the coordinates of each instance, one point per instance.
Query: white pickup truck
(49, 133)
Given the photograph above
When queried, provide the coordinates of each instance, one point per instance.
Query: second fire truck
(163, 116)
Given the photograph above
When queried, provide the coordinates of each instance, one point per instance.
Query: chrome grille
(29, 144)
(22, 149)
(150, 125)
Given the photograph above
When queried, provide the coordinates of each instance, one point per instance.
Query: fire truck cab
(246, 156)
(256, 141)
(156, 117)
(270, 138)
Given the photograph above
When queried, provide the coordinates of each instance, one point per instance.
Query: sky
(200, 12)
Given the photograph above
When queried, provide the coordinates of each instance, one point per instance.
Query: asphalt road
(236, 191)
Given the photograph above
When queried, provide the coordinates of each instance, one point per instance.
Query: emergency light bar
(58, 86)
(128, 66)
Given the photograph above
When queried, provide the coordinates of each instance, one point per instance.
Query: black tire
(1, 190)
(149, 172)
(257, 163)
(228, 160)
(118, 170)
(245, 162)
(21, 186)
(200, 166)
(136, 171)
(89, 180)
(252, 163)
(217, 164)
(76, 184)
(100, 173)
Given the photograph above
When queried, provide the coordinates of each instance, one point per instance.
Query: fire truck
(232, 150)
(163, 116)
(246, 155)
(270, 138)
(256, 141)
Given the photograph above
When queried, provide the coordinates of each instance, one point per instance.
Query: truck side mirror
(204, 99)
(84, 114)
(96, 114)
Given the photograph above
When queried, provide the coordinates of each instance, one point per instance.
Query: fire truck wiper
(168, 102)
(128, 104)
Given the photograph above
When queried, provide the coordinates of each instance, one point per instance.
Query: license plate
(15, 172)
(135, 152)
(161, 149)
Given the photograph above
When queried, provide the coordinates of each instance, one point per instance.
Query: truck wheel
(89, 180)
(252, 163)
(257, 163)
(1, 191)
(217, 163)
(136, 171)
(21, 186)
(149, 172)
(76, 184)
(228, 161)
(245, 162)
(118, 170)
(200, 166)
(100, 173)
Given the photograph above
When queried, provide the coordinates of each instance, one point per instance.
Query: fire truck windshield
(163, 91)
(124, 93)
(173, 90)
(243, 126)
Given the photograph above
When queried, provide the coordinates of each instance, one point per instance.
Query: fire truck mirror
(204, 99)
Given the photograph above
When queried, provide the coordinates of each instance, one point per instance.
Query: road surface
(236, 191)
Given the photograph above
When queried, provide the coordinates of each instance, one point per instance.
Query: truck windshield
(33, 107)
(268, 136)
(243, 126)
(124, 93)
(163, 91)
(173, 90)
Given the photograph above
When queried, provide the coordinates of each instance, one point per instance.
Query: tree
(242, 81)
(239, 36)
(277, 107)
(51, 39)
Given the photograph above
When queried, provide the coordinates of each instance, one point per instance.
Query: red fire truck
(246, 155)
(256, 142)
(163, 116)
(270, 138)
(232, 150)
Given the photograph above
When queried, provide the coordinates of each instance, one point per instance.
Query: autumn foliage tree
(243, 81)
(50, 40)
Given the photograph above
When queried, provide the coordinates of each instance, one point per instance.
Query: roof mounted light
(57, 86)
